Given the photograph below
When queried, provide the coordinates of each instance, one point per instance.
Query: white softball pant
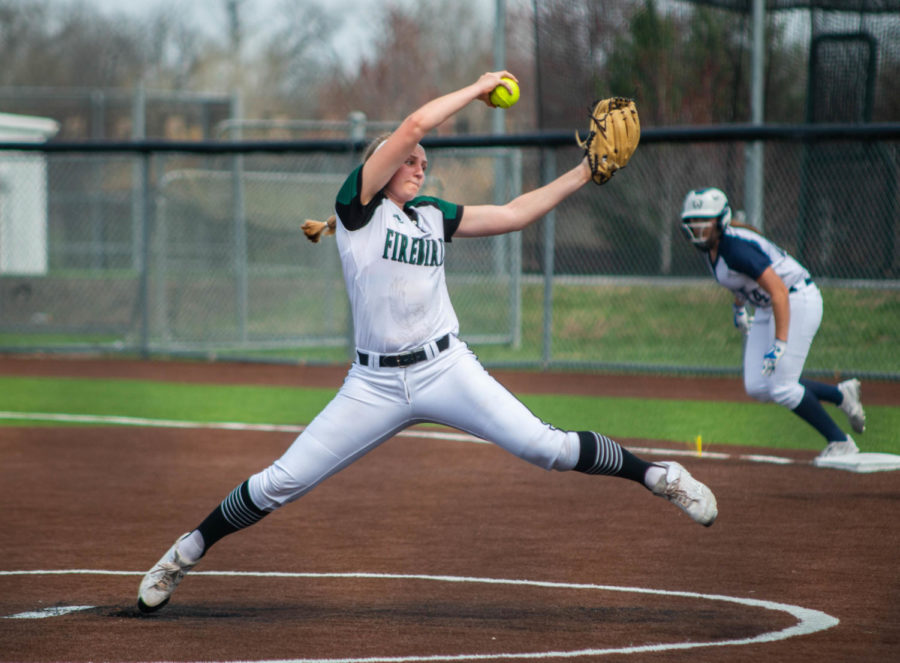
(783, 385)
(374, 404)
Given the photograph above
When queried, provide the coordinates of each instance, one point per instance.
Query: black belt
(406, 358)
(794, 287)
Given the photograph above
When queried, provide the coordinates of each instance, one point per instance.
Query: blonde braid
(315, 229)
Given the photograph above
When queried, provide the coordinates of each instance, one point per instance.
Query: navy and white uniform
(743, 255)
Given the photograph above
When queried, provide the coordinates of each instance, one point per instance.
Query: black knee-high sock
(236, 511)
(824, 392)
(812, 412)
(600, 455)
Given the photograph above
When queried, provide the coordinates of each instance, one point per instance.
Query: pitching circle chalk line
(287, 428)
(808, 620)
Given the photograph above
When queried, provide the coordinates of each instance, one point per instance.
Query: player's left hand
(742, 319)
(773, 354)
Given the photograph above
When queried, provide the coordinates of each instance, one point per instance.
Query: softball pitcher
(411, 365)
(788, 311)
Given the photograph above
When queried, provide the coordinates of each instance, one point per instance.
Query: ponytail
(315, 229)
(739, 220)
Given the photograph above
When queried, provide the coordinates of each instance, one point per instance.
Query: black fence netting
(691, 63)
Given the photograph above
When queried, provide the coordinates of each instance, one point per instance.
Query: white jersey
(393, 262)
(743, 256)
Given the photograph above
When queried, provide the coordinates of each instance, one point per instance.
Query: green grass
(662, 325)
(691, 326)
(163, 400)
(719, 423)
(60, 340)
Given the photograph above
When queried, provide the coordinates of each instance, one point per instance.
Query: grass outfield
(597, 324)
(719, 423)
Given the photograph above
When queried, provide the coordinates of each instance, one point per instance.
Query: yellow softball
(503, 98)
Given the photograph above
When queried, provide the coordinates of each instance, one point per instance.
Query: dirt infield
(435, 548)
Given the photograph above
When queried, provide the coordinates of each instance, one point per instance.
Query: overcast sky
(353, 41)
(198, 7)
(357, 30)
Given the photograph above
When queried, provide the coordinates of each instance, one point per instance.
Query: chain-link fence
(145, 249)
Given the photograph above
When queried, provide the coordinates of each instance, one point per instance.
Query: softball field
(436, 547)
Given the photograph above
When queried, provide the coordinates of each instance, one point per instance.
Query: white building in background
(23, 195)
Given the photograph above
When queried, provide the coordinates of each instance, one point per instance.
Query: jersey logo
(756, 297)
(399, 247)
(412, 217)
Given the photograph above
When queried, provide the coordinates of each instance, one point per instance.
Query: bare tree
(43, 43)
(175, 53)
(420, 52)
(43, 46)
(298, 56)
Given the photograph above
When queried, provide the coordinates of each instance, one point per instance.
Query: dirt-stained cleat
(852, 404)
(688, 494)
(159, 583)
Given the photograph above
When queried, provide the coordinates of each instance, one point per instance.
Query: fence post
(144, 207)
(239, 255)
(548, 173)
(753, 152)
(138, 132)
(515, 254)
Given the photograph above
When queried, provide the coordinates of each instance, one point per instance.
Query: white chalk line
(288, 428)
(56, 611)
(808, 621)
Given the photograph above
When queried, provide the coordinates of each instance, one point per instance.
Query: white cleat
(845, 448)
(688, 494)
(160, 581)
(852, 404)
